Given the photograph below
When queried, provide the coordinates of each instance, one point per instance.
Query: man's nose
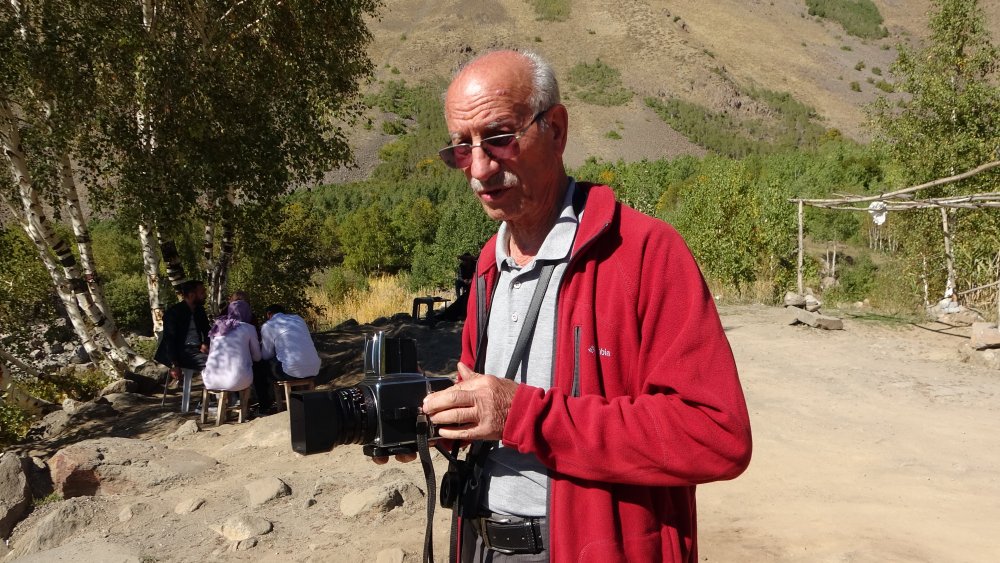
(483, 165)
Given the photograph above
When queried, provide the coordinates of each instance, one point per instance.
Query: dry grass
(386, 296)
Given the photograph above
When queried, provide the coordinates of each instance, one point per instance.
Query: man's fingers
(465, 373)
(380, 460)
(464, 415)
(402, 458)
(450, 398)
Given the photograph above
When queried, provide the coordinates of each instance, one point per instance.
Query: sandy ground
(874, 443)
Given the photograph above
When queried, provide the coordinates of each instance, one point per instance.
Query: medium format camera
(380, 412)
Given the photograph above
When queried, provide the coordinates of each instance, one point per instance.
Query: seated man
(184, 341)
(287, 351)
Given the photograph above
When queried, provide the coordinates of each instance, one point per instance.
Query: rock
(51, 425)
(188, 428)
(122, 401)
(57, 348)
(85, 552)
(391, 555)
(131, 511)
(244, 545)
(121, 465)
(15, 493)
(984, 336)
(793, 299)
(308, 502)
(72, 406)
(267, 489)
(56, 527)
(812, 304)
(39, 479)
(828, 282)
(989, 358)
(120, 386)
(80, 356)
(814, 320)
(148, 378)
(189, 505)
(36, 354)
(829, 323)
(964, 317)
(379, 499)
(244, 527)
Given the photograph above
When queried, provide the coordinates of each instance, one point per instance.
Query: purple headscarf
(239, 311)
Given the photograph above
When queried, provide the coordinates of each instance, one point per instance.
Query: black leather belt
(510, 534)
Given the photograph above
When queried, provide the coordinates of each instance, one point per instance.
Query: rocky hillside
(709, 53)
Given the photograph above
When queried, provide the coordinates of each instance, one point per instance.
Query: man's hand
(204, 348)
(175, 372)
(403, 458)
(475, 408)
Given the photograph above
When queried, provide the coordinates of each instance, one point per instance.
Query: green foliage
(727, 135)
(860, 18)
(855, 86)
(26, 293)
(860, 65)
(370, 242)
(128, 298)
(885, 86)
(856, 280)
(876, 71)
(598, 84)
(14, 424)
(613, 135)
(338, 282)
(735, 218)
(116, 250)
(947, 124)
(276, 261)
(463, 227)
(66, 383)
(551, 10)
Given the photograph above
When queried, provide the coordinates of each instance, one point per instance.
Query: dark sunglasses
(497, 147)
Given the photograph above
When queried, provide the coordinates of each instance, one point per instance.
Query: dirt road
(871, 444)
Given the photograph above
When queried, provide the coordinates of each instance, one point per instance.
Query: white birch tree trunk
(67, 280)
(220, 273)
(207, 249)
(151, 267)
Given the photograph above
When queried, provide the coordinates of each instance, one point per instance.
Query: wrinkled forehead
(499, 83)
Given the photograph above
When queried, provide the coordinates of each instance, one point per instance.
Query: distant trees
(948, 124)
(169, 112)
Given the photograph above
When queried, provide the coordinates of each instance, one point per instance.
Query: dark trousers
(192, 358)
(265, 373)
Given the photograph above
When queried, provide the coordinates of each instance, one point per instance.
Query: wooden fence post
(801, 291)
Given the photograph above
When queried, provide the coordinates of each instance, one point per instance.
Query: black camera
(380, 412)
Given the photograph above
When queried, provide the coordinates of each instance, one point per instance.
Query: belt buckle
(485, 535)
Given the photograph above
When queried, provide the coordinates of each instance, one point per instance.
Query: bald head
(523, 74)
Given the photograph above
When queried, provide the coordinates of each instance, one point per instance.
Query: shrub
(860, 65)
(598, 84)
(338, 282)
(887, 87)
(613, 135)
(128, 298)
(14, 424)
(876, 71)
(552, 10)
(855, 86)
(860, 18)
(856, 280)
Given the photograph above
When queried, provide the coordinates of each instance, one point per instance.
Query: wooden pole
(948, 255)
(799, 273)
(998, 289)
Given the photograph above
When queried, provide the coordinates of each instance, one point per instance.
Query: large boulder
(121, 465)
(985, 336)
(815, 320)
(56, 527)
(15, 494)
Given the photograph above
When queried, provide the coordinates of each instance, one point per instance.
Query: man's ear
(558, 121)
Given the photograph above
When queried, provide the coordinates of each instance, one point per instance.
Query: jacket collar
(599, 210)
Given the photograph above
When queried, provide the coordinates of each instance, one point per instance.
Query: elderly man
(594, 365)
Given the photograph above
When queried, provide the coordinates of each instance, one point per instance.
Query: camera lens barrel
(321, 420)
(355, 416)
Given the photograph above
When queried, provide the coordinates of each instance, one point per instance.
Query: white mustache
(507, 180)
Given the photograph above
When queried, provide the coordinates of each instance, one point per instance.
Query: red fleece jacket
(645, 401)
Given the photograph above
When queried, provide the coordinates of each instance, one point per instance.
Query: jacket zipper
(576, 361)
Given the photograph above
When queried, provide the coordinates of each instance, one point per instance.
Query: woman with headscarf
(234, 348)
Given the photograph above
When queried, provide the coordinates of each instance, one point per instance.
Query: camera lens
(321, 420)
(354, 416)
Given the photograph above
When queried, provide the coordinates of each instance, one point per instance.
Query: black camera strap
(423, 450)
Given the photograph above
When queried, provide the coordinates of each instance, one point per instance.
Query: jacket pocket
(575, 391)
(647, 548)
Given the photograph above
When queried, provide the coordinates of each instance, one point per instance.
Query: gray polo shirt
(518, 482)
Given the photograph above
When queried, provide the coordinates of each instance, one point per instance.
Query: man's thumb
(465, 373)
